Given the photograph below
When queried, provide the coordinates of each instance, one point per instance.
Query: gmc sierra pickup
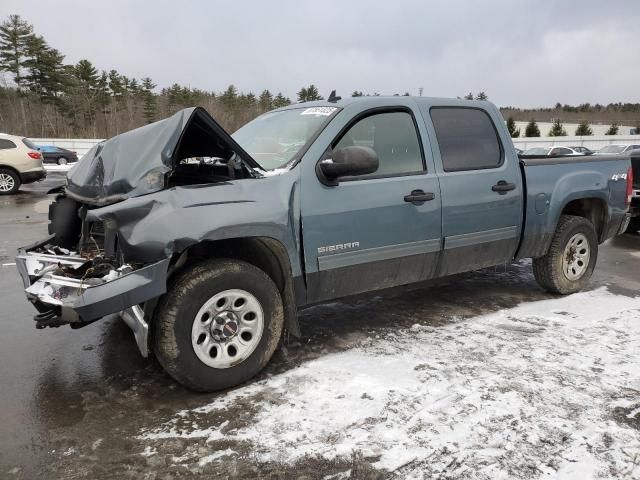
(207, 244)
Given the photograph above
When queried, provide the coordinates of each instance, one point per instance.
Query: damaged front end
(78, 288)
(87, 268)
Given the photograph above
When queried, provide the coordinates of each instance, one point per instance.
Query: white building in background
(598, 129)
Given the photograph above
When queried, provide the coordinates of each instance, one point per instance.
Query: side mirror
(347, 162)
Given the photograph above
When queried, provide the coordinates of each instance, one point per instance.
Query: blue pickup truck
(207, 244)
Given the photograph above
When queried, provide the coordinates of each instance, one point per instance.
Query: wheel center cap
(230, 329)
(224, 326)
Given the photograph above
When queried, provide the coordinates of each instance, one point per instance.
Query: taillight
(629, 185)
(35, 155)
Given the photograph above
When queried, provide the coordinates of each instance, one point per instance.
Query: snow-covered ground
(548, 389)
(52, 167)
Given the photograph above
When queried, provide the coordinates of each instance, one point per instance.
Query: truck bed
(553, 183)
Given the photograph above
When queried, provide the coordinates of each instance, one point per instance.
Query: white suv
(20, 162)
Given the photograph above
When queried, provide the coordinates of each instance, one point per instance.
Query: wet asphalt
(73, 401)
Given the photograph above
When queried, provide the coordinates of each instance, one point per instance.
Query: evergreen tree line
(49, 98)
(557, 129)
(46, 97)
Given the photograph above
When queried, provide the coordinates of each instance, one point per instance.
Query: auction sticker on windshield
(319, 111)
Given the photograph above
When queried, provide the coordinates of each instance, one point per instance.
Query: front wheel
(62, 161)
(219, 325)
(569, 263)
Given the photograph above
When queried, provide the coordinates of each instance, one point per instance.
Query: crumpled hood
(137, 162)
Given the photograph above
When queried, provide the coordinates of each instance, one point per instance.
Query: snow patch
(215, 456)
(520, 392)
(58, 168)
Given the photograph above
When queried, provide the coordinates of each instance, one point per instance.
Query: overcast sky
(522, 53)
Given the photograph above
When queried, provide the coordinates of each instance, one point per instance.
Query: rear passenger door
(481, 187)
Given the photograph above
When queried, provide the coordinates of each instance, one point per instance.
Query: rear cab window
(467, 139)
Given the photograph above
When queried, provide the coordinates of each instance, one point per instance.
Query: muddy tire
(64, 222)
(572, 256)
(218, 325)
(9, 181)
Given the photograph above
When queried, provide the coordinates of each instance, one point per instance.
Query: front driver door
(366, 233)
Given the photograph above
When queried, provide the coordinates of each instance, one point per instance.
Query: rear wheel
(569, 263)
(9, 181)
(218, 325)
(62, 161)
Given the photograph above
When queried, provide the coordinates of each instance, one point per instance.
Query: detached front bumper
(77, 301)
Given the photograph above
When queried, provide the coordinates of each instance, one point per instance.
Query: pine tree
(86, 89)
(15, 34)
(356, 93)
(468, 96)
(557, 130)
(87, 75)
(309, 94)
(584, 130)
(511, 126)
(613, 129)
(115, 84)
(532, 129)
(149, 108)
(44, 70)
(481, 96)
(265, 101)
(280, 101)
(229, 97)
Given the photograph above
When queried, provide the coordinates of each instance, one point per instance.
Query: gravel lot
(484, 376)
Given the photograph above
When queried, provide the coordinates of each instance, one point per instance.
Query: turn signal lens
(35, 155)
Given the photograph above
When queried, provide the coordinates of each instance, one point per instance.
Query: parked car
(634, 223)
(583, 150)
(59, 155)
(617, 149)
(208, 263)
(553, 151)
(20, 163)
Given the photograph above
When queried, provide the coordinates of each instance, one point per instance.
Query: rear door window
(561, 151)
(6, 144)
(467, 139)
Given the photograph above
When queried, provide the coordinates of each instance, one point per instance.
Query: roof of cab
(375, 100)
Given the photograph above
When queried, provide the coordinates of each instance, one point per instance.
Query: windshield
(537, 151)
(612, 149)
(275, 138)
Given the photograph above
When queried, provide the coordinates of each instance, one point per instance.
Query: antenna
(333, 98)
